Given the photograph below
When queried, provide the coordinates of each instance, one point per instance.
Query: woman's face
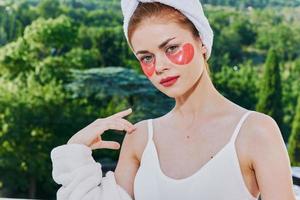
(166, 50)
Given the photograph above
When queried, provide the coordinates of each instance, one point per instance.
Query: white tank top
(219, 179)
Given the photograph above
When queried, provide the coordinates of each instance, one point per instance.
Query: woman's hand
(91, 134)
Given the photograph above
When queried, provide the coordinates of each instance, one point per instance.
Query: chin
(176, 91)
(172, 92)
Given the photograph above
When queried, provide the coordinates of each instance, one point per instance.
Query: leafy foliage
(294, 146)
(270, 96)
(239, 84)
(253, 3)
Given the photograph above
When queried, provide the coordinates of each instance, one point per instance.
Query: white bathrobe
(81, 176)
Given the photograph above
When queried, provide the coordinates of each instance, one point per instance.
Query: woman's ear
(203, 48)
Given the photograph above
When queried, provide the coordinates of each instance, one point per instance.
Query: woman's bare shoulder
(261, 126)
(138, 138)
(262, 132)
(269, 157)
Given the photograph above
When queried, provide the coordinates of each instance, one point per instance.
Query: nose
(161, 64)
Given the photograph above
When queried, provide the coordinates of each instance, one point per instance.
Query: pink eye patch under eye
(184, 56)
(149, 68)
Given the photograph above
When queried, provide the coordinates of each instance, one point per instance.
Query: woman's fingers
(114, 124)
(129, 125)
(110, 122)
(89, 134)
(122, 113)
(105, 145)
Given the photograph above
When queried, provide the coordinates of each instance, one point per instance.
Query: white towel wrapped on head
(192, 9)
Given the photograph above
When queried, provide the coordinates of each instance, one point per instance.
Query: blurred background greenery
(64, 63)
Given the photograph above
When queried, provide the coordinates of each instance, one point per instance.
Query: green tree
(14, 59)
(253, 3)
(283, 37)
(294, 139)
(33, 105)
(29, 111)
(49, 8)
(229, 37)
(270, 94)
(238, 84)
(52, 36)
(291, 91)
(104, 18)
(112, 46)
(43, 38)
(83, 58)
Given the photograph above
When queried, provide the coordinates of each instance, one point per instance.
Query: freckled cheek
(148, 68)
(184, 56)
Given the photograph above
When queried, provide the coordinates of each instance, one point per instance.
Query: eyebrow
(162, 45)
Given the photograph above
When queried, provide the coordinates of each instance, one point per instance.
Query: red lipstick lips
(169, 81)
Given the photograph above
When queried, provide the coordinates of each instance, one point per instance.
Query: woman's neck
(201, 100)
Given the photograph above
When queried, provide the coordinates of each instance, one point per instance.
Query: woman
(206, 147)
